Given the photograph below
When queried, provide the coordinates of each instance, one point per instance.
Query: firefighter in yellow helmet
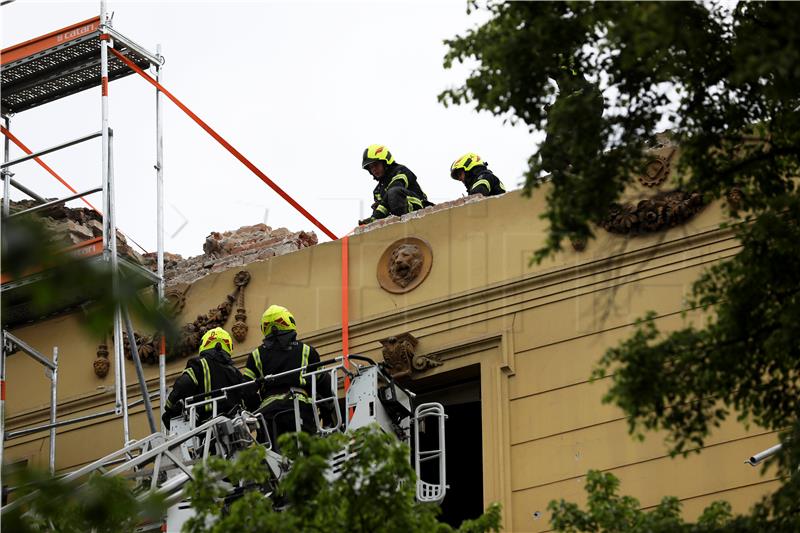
(398, 192)
(472, 171)
(211, 369)
(280, 352)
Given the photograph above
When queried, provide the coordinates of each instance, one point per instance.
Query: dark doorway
(460, 394)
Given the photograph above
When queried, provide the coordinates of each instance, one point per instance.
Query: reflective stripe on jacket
(481, 180)
(397, 176)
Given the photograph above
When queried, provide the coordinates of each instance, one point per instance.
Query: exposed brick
(68, 226)
(231, 249)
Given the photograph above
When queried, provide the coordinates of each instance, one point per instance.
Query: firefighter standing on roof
(280, 351)
(397, 192)
(472, 171)
(211, 369)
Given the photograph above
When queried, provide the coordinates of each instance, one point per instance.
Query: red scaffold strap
(64, 182)
(44, 165)
(238, 155)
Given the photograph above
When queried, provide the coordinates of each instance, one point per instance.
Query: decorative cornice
(509, 289)
(507, 294)
(660, 212)
(192, 332)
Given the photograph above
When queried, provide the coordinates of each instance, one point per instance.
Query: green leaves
(374, 491)
(29, 248)
(609, 512)
(746, 359)
(600, 79)
(102, 505)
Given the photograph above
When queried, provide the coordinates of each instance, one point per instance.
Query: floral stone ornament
(101, 364)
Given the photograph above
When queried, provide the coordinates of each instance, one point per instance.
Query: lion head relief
(405, 264)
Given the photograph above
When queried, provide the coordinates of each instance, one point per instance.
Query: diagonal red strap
(44, 165)
(64, 182)
(238, 155)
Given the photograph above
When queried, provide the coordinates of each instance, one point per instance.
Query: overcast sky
(300, 88)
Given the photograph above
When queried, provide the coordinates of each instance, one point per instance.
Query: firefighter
(472, 171)
(211, 369)
(397, 192)
(279, 352)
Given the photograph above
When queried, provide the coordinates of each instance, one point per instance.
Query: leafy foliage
(724, 80)
(102, 505)
(608, 511)
(29, 248)
(375, 491)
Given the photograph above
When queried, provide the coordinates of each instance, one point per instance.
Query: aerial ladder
(163, 463)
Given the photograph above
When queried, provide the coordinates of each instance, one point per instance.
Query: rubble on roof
(222, 250)
(248, 244)
(231, 249)
(73, 225)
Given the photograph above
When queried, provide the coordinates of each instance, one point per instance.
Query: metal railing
(10, 343)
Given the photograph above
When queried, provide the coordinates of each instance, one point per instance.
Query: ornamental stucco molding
(401, 359)
(658, 208)
(660, 212)
(191, 332)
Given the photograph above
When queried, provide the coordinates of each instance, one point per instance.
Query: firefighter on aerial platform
(279, 352)
(211, 369)
(472, 171)
(397, 192)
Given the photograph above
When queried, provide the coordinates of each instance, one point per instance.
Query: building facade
(507, 346)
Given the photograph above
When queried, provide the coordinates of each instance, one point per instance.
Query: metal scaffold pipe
(6, 172)
(162, 377)
(118, 315)
(3, 347)
(148, 408)
(53, 409)
(104, 124)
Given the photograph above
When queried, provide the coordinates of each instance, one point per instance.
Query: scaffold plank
(59, 64)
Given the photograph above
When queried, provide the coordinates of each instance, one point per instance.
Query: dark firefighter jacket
(397, 175)
(281, 352)
(481, 180)
(212, 369)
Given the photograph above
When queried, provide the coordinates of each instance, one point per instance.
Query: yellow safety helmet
(217, 337)
(278, 317)
(466, 163)
(376, 152)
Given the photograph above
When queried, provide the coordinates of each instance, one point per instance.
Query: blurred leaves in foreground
(65, 281)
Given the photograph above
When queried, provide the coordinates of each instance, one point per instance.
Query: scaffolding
(40, 71)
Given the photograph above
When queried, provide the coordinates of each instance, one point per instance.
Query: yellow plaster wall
(535, 330)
